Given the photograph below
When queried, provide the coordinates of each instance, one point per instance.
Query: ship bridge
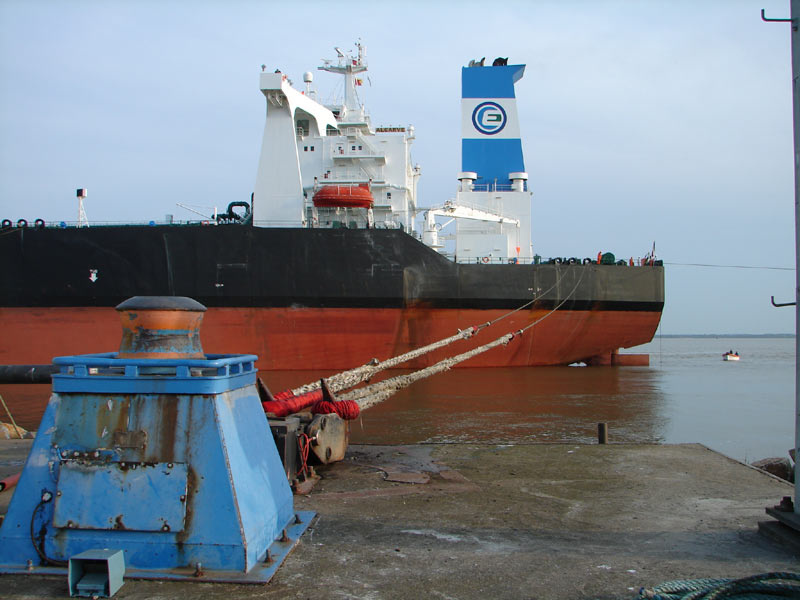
(308, 145)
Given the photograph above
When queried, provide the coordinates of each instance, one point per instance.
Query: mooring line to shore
(351, 378)
(672, 264)
(13, 423)
(371, 395)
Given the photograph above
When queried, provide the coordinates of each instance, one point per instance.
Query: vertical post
(795, 16)
(602, 433)
(795, 21)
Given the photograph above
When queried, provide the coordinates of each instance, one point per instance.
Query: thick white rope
(371, 395)
(348, 379)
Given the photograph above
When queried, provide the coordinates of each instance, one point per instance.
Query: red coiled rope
(292, 404)
(284, 395)
(346, 409)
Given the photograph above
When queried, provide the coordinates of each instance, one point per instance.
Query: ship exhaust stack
(493, 180)
(491, 145)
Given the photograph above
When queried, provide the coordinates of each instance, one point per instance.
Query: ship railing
(353, 175)
(495, 260)
(76, 224)
(495, 187)
(558, 260)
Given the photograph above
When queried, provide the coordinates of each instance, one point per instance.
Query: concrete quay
(543, 521)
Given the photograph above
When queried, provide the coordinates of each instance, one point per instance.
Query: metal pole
(795, 15)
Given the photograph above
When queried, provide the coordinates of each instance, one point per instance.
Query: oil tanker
(329, 265)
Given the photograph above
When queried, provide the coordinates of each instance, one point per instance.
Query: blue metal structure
(491, 145)
(169, 460)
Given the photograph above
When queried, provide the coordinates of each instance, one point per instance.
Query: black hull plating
(242, 266)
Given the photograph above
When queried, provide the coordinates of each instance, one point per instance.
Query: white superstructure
(309, 146)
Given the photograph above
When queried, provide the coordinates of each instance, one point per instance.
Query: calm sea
(743, 409)
(688, 393)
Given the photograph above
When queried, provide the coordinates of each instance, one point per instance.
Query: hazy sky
(665, 121)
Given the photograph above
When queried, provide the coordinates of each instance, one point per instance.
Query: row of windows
(341, 150)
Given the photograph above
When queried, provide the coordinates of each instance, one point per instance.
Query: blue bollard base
(260, 573)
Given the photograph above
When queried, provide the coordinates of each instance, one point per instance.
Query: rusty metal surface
(135, 496)
(214, 449)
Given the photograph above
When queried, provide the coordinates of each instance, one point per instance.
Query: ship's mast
(349, 66)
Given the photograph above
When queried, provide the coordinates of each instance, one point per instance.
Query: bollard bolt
(602, 433)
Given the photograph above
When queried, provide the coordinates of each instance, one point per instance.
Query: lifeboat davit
(346, 196)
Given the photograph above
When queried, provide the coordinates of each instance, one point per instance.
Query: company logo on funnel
(489, 118)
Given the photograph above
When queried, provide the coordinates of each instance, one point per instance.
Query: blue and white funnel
(491, 144)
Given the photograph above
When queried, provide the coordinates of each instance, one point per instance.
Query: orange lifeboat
(346, 196)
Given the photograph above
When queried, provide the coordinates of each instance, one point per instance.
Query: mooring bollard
(602, 433)
(160, 452)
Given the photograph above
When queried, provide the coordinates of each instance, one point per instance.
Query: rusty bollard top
(161, 327)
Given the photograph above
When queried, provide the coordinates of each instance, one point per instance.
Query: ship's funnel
(491, 144)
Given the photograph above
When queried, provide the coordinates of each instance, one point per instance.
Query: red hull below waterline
(337, 339)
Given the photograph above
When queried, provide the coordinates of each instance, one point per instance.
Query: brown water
(688, 394)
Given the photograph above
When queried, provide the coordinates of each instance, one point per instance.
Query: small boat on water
(730, 355)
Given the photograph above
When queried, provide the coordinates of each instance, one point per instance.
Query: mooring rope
(351, 378)
(371, 395)
(755, 587)
(348, 379)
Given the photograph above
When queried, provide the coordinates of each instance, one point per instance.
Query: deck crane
(430, 234)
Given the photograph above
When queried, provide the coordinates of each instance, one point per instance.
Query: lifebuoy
(22, 223)
(39, 223)
(6, 223)
(485, 259)
(206, 222)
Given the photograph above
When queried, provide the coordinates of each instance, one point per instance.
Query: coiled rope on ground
(756, 587)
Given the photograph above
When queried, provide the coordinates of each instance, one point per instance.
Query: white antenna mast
(82, 220)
